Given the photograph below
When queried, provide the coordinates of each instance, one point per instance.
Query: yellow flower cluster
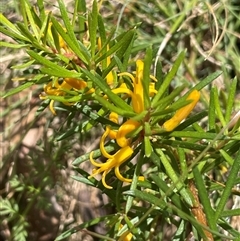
(126, 150)
(122, 135)
(136, 93)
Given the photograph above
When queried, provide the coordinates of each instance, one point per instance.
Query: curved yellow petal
(94, 162)
(121, 90)
(126, 128)
(183, 112)
(127, 74)
(139, 71)
(113, 117)
(112, 134)
(104, 180)
(102, 141)
(119, 175)
(51, 107)
(76, 83)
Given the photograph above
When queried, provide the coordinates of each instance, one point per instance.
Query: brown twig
(198, 212)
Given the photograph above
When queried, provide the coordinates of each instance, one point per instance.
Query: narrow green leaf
(167, 80)
(19, 88)
(41, 9)
(92, 24)
(122, 45)
(80, 6)
(113, 108)
(227, 157)
(67, 23)
(159, 75)
(218, 108)
(125, 54)
(56, 69)
(88, 111)
(230, 213)
(182, 160)
(146, 77)
(13, 35)
(211, 112)
(13, 46)
(174, 197)
(185, 144)
(30, 37)
(228, 187)
(83, 180)
(22, 66)
(230, 100)
(106, 90)
(186, 195)
(9, 25)
(150, 198)
(64, 73)
(87, 224)
(147, 146)
(194, 134)
(77, 47)
(134, 183)
(70, 99)
(30, 19)
(206, 81)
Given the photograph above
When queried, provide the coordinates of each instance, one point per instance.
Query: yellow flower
(114, 161)
(56, 89)
(183, 112)
(126, 128)
(122, 155)
(125, 237)
(109, 77)
(137, 94)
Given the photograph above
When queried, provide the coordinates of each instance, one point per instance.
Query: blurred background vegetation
(36, 168)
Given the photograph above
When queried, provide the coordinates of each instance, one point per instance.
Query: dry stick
(197, 210)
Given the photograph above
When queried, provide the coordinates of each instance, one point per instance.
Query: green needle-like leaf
(175, 178)
(230, 100)
(228, 188)
(92, 23)
(167, 80)
(211, 112)
(146, 78)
